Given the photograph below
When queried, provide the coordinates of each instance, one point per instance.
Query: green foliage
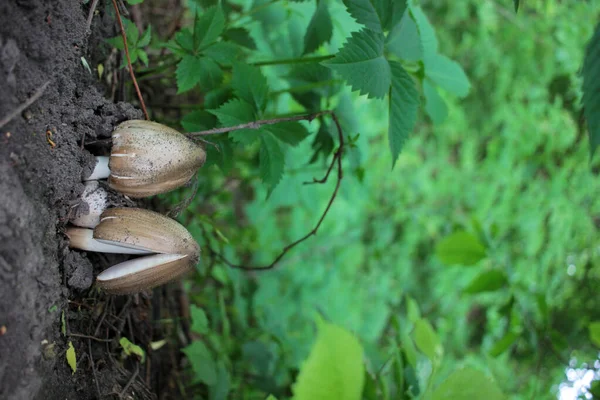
(319, 29)
(71, 358)
(135, 43)
(594, 329)
(467, 384)
(132, 349)
(334, 369)
(203, 363)
(460, 248)
(591, 89)
(487, 281)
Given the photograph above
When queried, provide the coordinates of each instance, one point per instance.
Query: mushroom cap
(137, 228)
(149, 158)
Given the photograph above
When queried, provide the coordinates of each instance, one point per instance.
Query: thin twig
(135, 374)
(336, 161)
(89, 337)
(137, 88)
(88, 23)
(38, 93)
(94, 369)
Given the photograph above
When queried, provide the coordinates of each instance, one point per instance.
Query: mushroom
(148, 158)
(168, 248)
(93, 202)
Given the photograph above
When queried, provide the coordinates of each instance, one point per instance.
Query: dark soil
(42, 162)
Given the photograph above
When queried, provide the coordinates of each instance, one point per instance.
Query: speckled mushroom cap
(137, 228)
(149, 158)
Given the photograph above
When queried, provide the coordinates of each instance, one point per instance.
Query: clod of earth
(170, 251)
(148, 158)
(94, 201)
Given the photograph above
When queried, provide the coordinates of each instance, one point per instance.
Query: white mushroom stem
(83, 239)
(138, 265)
(101, 170)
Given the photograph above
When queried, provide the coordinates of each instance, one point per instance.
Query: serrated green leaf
(240, 36)
(146, 37)
(132, 32)
(199, 320)
(221, 389)
(334, 369)
(202, 363)
(460, 248)
(320, 28)
(142, 56)
(435, 106)
(487, 281)
(362, 64)
(403, 106)
(71, 358)
(467, 383)
(427, 340)
(188, 73)
(210, 74)
(272, 161)
(591, 89)
(237, 112)
(198, 120)
(429, 42)
(130, 348)
(225, 53)
(208, 27)
(290, 132)
(448, 75)
(250, 85)
(376, 15)
(503, 344)
(404, 41)
(185, 39)
(594, 330)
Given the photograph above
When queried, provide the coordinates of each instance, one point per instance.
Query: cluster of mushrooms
(146, 159)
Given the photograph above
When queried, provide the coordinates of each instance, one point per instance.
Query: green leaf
(185, 39)
(503, 344)
(460, 248)
(210, 74)
(591, 89)
(404, 41)
(429, 42)
(202, 363)
(594, 329)
(376, 15)
(72, 358)
(272, 161)
(290, 132)
(334, 369)
(130, 348)
(516, 3)
(142, 56)
(251, 85)
(412, 310)
(240, 36)
(199, 320)
(467, 383)
(237, 112)
(487, 281)
(427, 341)
(225, 53)
(319, 29)
(220, 390)
(198, 120)
(434, 104)
(208, 27)
(134, 2)
(448, 74)
(403, 106)
(188, 73)
(408, 347)
(362, 64)
(145, 39)
(132, 32)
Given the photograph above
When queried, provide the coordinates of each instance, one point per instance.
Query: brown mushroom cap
(149, 158)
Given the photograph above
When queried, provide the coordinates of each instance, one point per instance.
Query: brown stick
(337, 160)
(124, 35)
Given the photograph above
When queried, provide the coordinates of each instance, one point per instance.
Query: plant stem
(124, 35)
(307, 87)
(297, 60)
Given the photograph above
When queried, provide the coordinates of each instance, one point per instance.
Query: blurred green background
(509, 166)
